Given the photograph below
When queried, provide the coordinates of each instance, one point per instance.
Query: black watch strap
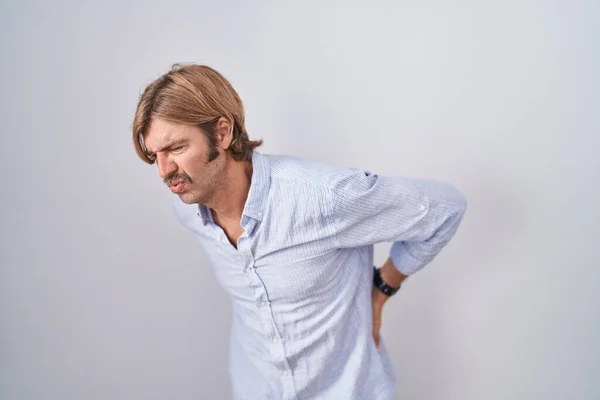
(381, 285)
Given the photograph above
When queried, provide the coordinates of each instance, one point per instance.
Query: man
(291, 241)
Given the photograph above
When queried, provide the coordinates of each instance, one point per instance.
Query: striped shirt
(300, 279)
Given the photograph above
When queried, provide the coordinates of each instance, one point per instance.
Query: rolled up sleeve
(419, 216)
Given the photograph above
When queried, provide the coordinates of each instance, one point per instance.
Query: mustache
(175, 177)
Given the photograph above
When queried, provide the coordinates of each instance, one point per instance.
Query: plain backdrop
(103, 295)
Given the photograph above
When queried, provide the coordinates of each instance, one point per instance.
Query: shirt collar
(258, 193)
(259, 187)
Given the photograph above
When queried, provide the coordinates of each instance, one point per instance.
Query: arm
(391, 275)
(419, 216)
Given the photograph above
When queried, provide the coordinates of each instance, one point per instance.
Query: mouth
(177, 187)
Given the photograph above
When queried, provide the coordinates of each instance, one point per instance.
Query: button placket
(265, 312)
(264, 304)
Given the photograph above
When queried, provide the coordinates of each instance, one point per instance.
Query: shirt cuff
(403, 260)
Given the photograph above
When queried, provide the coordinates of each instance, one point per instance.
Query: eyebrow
(169, 145)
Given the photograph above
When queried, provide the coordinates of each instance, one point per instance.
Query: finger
(376, 335)
(376, 327)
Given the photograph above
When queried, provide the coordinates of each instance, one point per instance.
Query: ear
(224, 133)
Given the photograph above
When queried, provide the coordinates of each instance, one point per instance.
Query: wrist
(378, 297)
(382, 287)
(390, 274)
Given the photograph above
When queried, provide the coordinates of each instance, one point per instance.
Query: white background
(104, 296)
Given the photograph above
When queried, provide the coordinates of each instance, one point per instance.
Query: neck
(236, 186)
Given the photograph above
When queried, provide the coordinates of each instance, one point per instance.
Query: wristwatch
(381, 285)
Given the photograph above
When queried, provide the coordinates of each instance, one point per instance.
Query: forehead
(161, 132)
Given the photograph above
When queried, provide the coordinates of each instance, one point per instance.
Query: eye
(178, 149)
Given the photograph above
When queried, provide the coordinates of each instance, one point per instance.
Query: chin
(187, 198)
(190, 198)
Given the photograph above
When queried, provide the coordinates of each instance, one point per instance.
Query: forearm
(390, 274)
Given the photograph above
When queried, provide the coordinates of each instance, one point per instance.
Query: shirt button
(422, 208)
(264, 304)
(286, 373)
(274, 340)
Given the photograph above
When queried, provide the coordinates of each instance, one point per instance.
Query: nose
(165, 166)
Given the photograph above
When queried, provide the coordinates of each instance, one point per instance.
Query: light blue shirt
(300, 280)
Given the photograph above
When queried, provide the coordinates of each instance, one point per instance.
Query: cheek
(192, 166)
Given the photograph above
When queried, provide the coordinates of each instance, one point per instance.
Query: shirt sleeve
(419, 216)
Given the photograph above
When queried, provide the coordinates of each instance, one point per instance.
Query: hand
(392, 277)
(378, 299)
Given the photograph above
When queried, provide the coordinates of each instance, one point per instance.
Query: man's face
(182, 156)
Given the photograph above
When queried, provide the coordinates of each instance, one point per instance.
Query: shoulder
(319, 175)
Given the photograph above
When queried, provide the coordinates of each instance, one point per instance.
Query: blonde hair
(195, 95)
